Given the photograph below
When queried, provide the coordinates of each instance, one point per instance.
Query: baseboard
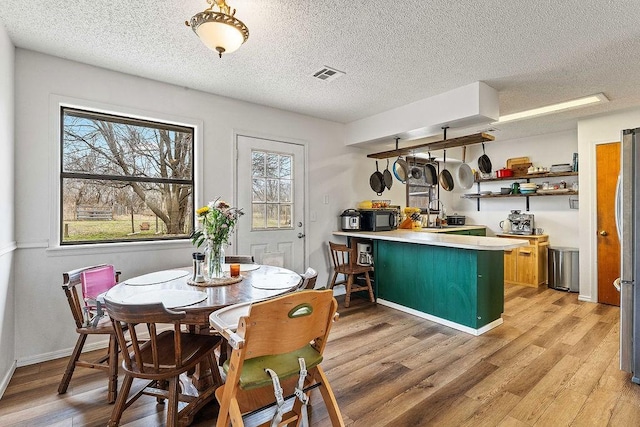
(445, 322)
(7, 377)
(45, 357)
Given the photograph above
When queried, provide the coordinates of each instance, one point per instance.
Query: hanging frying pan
(484, 162)
(446, 180)
(376, 181)
(416, 171)
(430, 172)
(465, 174)
(400, 167)
(388, 179)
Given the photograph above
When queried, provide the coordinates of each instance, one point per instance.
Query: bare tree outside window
(124, 179)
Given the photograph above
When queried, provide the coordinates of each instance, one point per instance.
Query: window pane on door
(285, 191)
(272, 216)
(257, 163)
(285, 216)
(285, 167)
(272, 165)
(272, 190)
(258, 190)
(258, 217)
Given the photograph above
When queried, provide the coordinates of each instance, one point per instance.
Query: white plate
(171, 298)
(243, 267)
(157, 277)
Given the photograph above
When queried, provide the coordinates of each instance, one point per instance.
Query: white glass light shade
(220, 35)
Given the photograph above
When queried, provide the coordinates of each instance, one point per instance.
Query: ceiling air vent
(327, 74)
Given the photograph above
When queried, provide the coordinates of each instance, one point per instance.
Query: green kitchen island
(454, 280)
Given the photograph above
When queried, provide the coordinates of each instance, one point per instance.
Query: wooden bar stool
(344, 262)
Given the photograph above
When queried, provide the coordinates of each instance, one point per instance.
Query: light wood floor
(553, 362)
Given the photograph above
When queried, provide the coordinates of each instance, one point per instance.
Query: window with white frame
(124, 179)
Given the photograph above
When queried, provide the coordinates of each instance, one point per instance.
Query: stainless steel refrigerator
(628, 225)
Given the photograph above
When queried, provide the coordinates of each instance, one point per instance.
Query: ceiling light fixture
(220, 31)
(561, 106)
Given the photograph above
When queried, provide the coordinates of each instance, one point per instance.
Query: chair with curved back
(308, 279)
(86, 308)
(343, 258)
(161, 359)
(274, 335)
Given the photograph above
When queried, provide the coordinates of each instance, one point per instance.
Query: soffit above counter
(473, 104)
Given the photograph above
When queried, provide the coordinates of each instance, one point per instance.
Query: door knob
(604, 233)
(300, 235)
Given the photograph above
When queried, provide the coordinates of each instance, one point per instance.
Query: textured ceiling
(393, 53)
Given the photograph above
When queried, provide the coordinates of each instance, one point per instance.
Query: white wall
(590, 133)
(43, 321)
(7, 233)
(552, 213)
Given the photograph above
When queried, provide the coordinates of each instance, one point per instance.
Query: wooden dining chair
(239, 259)
(161, 359)
(86, 309)
(344, 262)
(274, 335)
(309, 278)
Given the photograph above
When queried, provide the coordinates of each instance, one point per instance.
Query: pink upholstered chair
(87, 314)
(95, 282)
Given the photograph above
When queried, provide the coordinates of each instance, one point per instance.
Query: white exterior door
(270, 188)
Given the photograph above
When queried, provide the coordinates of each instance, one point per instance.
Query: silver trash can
(564, 271)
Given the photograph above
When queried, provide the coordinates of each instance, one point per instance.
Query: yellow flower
(203, 210)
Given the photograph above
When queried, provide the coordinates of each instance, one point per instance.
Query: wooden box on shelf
(526, 265)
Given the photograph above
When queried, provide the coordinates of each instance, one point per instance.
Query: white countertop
(479, 243)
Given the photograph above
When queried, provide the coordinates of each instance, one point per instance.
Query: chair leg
(347, 297)
(113, 369)
(215, 370)
(172, 410)
(223, 403)
(329, 398)
(121, 402)
(333, 280)
(368, 280)
(68, 373)
(234, 414)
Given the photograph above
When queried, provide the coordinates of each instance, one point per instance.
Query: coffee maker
(364, 254)
(521, 223)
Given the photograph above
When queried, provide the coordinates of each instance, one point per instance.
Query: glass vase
(214, 258)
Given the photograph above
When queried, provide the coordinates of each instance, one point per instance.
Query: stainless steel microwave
(378, 219)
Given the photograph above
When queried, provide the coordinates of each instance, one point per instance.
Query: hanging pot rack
(461, 141)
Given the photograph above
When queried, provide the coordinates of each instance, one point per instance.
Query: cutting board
(516, 160)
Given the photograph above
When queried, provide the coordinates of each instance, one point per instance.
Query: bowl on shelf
(505, 190)
(527, 191)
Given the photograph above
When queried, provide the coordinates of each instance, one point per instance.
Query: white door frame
(305, 144)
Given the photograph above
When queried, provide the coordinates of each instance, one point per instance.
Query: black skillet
(388, 179)
(446, 180)
(430, 172)
(376, 181)
(484, 163)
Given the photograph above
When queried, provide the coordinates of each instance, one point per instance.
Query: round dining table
(171, 287)
(258, 282)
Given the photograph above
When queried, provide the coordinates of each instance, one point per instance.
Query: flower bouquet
(218, 221)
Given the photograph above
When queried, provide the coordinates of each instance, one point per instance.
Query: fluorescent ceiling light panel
(561, 106)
